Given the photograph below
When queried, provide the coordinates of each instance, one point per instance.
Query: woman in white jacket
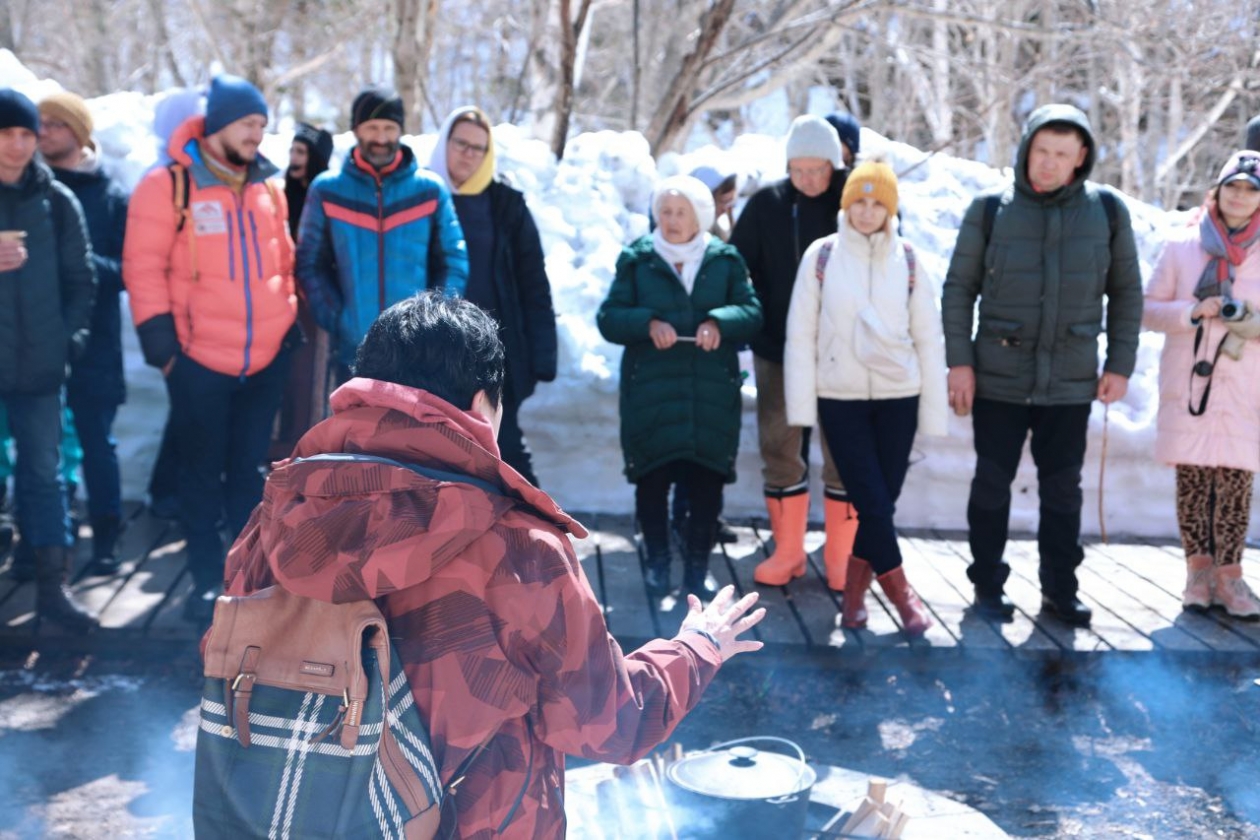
(866, 357)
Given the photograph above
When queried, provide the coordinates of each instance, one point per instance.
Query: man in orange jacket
(208, 264)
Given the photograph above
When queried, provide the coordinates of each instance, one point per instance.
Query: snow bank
(595, 200)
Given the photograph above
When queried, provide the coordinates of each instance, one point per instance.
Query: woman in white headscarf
(681, 303)
(506, 272)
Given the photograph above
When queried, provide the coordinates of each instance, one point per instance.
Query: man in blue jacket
(96, 387)
(377, 231)
(46, 289)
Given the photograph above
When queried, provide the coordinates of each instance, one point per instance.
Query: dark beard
(234, 157)
(382, 158)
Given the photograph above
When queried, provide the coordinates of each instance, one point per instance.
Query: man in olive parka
(1040, 256)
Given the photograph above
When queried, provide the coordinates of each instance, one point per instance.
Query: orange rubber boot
(854, 604)
(789, 517)
(914, 616)
(842, 524)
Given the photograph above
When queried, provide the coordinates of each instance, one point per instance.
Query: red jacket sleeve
(593, 700)
(147, 247)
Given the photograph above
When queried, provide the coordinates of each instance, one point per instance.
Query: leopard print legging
(1213, 510)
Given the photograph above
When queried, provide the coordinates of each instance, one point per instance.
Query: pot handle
(800, 753)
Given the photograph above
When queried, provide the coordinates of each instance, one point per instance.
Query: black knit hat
(17, 111)
(319, 142)
(377, 102)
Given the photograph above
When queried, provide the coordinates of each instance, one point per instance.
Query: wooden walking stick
(1102, 476)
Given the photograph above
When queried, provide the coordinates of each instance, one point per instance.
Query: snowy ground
(593, 202)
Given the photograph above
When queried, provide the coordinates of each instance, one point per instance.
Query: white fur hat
(692, 189)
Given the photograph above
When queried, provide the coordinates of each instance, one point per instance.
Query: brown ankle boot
(842, 525)
(914, 617)
(1198, 594)
(789, 517)
(858, 580)
(53, 601)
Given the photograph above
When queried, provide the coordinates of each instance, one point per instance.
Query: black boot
(104, 542)
(656, 572)
(53, 601)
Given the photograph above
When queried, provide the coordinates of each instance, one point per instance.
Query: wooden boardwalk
(1134, 589)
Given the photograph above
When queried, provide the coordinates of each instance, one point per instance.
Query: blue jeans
(222, 428)
(35, 423)
(94, 420)
(870, 442)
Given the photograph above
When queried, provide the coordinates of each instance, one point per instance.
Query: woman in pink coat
(1205, 297)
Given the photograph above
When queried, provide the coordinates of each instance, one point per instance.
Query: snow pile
(587, 207)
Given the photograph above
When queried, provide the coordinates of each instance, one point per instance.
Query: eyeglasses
(53, 125)
(810, 171)
(463, 147)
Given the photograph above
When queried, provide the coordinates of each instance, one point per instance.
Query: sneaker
(1234, 595)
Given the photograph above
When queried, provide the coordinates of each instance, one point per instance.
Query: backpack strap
(991, 205)
(427, 472)
(1109, 201)
(911, 265)
(824, 254)
(180, 189)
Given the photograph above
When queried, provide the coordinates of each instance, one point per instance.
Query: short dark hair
(447, 346)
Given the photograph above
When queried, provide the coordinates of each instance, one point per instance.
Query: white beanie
(813, 137)
(692, 189)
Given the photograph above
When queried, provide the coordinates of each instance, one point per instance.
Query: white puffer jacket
(862, 334)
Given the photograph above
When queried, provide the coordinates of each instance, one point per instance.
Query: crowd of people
(253, 295)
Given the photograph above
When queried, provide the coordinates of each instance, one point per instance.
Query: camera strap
(1205, 369)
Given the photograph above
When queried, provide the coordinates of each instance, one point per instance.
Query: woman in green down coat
(681, 303)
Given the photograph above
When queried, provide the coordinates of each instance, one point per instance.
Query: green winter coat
(1041, 278)
(680, 404)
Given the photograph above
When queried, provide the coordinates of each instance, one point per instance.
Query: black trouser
(704, 492)
(1058, 450)
(870, 444)
(222, 426)
(512, 447)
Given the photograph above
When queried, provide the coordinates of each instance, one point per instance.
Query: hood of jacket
(184, 149)
(368, 529)
(1038, 120)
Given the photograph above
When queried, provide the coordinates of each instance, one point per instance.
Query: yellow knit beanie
(70, 109)
(873, 178)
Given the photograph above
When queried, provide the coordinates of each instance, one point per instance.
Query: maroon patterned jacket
(495, 621)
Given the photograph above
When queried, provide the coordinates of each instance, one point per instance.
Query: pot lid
(742, 772)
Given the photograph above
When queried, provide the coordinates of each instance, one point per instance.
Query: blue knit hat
(17, 111)
(846, 125)
(231, 98)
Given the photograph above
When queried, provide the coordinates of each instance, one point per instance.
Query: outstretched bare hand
(724, 619)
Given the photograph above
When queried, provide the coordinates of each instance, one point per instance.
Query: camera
(1233, 310)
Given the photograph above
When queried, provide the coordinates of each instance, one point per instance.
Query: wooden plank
(156, 568)
(1022, 632)
(138, 535)
(628, 612)
(950, 607)
(780, 626)
(1157, 574)
(1130, 599)
(1024, 589)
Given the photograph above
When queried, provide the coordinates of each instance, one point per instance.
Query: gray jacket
(1040, 279)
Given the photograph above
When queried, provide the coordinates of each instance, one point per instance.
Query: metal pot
(735, 791)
